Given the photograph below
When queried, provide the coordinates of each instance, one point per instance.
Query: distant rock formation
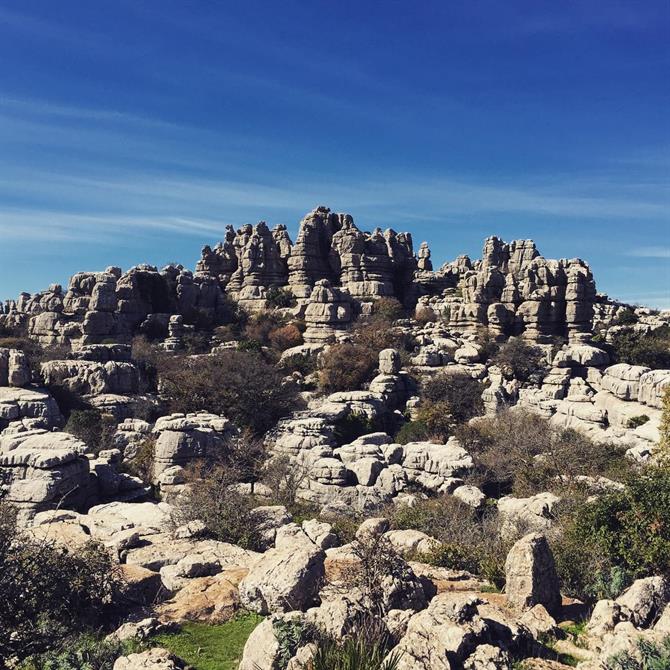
(511, 290)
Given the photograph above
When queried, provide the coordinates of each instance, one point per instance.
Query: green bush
(617, 537)
(95, 429)
(520, 452)
(637, 421)
(468, 540)
(353, 653)
(353, 426)
(518, 359)
(413, 431)
(290, 634)
(346, 367)
(650, 656)
(302, 363)
(86, 652)
(49, 592)
(664, 428)
(237, 384)
(651, 349)
(212, 497)
(279, 298)
(625, 317)
(390, 309)
(461, 394)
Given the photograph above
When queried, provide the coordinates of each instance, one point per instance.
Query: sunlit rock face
(511, 290)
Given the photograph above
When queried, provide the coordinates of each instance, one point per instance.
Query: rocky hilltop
(462, 467)
(512, 289)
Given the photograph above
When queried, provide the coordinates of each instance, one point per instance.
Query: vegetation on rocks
(606, 543)
(237, 384)
(48, 592)
(638, 348)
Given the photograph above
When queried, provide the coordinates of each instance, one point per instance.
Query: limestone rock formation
(530, 574)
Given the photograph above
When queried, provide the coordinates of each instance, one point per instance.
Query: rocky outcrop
(40, 470)
(285, 579)
(17, 404)
(183, 438)
(14, 368)
(513, 290)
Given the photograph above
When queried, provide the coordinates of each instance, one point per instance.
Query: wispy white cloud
(656, 251)
(61, 226)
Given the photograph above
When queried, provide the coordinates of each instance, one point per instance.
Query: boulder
(153, 659)
(283, 580)
(530, 574)
(645, 599)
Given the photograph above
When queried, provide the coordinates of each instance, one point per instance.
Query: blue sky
(133, 131)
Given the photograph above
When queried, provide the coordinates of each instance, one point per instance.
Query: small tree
(93, 428)
(462, 393)
(237, 384)
(518, 359)
(664, 428)
(346, 367)
(284, 476)
(213, 497)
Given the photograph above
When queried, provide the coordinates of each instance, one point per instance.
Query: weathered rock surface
(530, 574)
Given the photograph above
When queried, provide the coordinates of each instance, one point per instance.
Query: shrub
(290, 634)
(85, 652)
(625, 533)
(637, 421)
(355, 653)
(346, 367)
(519, 451)
(237, 384)
(213, 498)
(353, 426)
(279, 298)
(142, 464)
(389, 309)
(285, 337)
(302, 363)
(651, 349)
(425, 314)
(376, 561)
(518, 359)
(462, 393)
(649, 655)
(413, 431)
(438, 419)
(284, 476)
(625, 317)
(259, 327)
(448, 400)
(49, 592)
(664, 428)
(468, 540)
(377, 332)
(95, 429)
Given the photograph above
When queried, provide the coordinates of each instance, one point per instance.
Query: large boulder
(284, 579)
(530, 574)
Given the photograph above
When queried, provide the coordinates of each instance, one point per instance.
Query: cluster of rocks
(511, 290)
(98, 306)
(617, 403)
(304, 576)
(329, 247)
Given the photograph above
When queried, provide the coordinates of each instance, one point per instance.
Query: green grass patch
(208, 647)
